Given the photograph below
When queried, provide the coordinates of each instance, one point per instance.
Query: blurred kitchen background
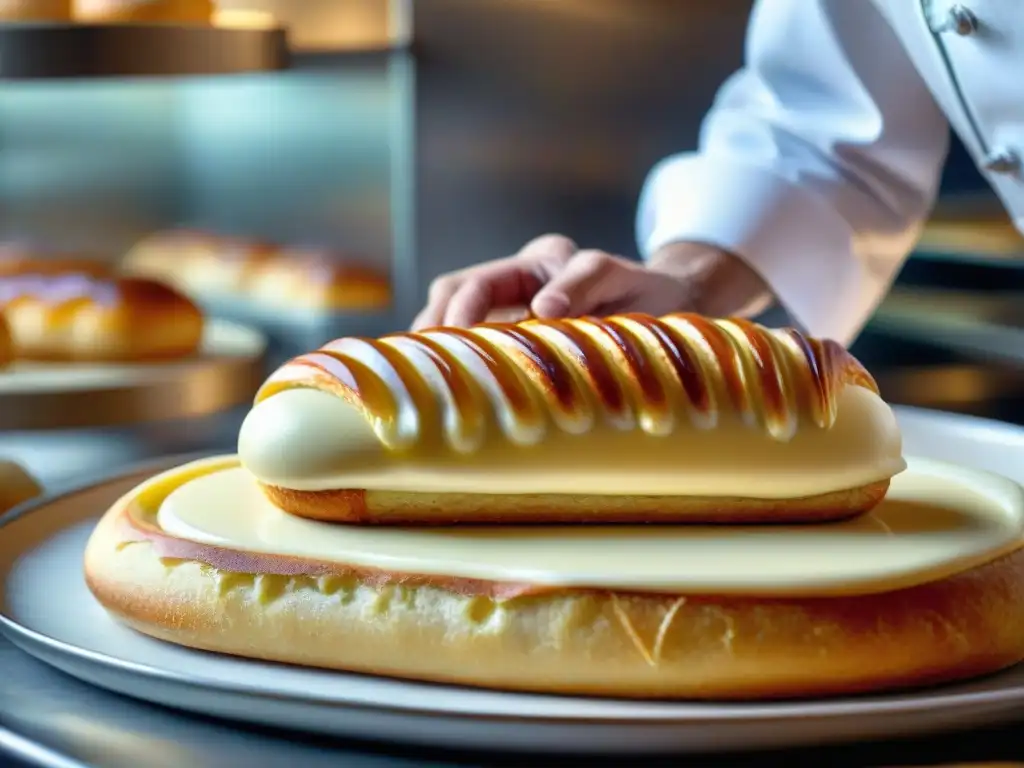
(431, 134)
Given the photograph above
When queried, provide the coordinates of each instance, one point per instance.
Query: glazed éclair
(72, 317)
(927, 588)
(623, 419)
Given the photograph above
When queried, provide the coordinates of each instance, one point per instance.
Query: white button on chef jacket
(820, 160)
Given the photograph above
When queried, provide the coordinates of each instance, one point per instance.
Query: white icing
(938, 519)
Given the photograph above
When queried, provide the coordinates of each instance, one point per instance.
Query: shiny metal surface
(537, 116)
(224, 375)
(962, 20)
(305, 157)
(1002, 160)
(41, 546)
(58, 721)
(987, 328)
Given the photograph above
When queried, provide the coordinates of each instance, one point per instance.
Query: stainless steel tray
(46, 609)
(224, 375)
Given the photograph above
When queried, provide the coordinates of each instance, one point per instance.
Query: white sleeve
(817, 164)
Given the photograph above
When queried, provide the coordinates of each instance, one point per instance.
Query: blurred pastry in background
(35, 10)
(319, 280)
(167, 255)
(145, 11)
(76, 318)
(6, 344)
(199, 263)
(211, 267)
(227, 269)
(243, 18)
(16, 259)
(16, 486)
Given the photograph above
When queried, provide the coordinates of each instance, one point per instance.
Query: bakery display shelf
(61, 51)
(973, 325)
(224, 375)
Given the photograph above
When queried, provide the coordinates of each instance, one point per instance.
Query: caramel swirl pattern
(626, 372)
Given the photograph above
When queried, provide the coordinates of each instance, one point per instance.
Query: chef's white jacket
(820, 159)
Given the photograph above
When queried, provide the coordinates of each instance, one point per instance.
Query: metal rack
(61, 51)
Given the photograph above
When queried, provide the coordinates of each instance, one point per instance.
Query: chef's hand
(553, 278)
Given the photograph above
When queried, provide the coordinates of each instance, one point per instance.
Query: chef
(816, 168)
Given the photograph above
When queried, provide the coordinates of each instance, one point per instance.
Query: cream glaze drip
(457, 388)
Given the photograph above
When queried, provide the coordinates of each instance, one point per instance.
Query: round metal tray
(225, 374)
(38, 50)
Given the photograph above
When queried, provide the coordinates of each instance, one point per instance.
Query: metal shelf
(62, 51)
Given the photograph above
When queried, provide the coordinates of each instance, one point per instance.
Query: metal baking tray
(226, 373)
(63, 423)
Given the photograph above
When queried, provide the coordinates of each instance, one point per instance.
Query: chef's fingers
(467, 296)
(505, 283)
(590, 280)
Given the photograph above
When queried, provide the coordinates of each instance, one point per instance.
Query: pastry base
(363, 507)
(573, 642)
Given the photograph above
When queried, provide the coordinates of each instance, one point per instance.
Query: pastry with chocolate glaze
(71, 317)
(616, 420)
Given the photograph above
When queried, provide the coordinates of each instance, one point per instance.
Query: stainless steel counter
(51, 720)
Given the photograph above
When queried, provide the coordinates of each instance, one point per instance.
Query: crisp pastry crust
(363, 507)
(146, 11)
(72, 317)
(588, 642)
(466, 390)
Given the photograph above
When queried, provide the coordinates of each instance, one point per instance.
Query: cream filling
(310, 440)
(938, 519)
